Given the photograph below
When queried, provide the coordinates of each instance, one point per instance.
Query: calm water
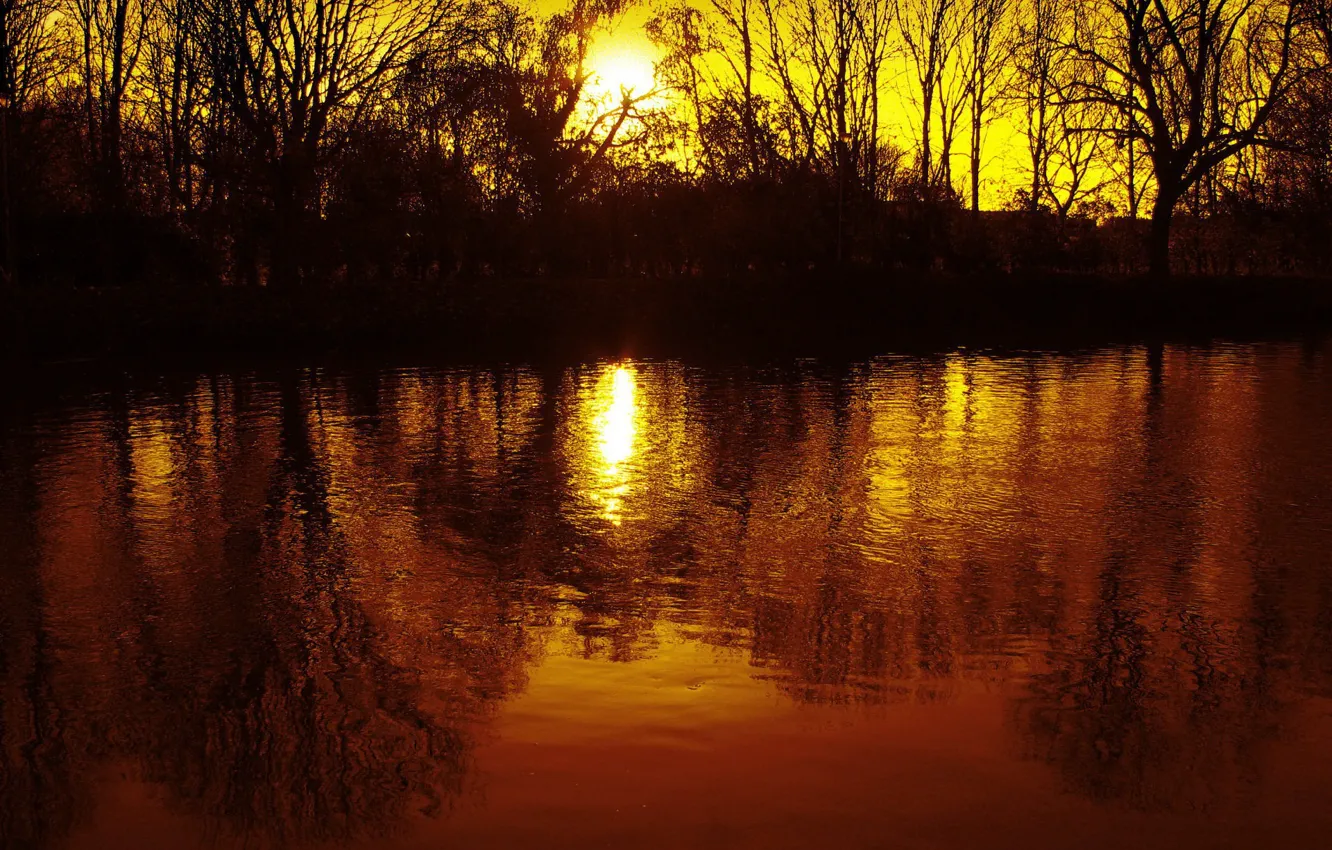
(1046, 601)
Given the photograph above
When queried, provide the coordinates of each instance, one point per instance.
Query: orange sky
(626, 45)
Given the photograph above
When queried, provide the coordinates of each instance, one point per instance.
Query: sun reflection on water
(616, 424)
(615, 428)
(1062, 565)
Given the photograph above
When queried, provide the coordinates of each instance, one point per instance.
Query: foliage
(296, 142)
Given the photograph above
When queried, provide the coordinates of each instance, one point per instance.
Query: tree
(296, 73)
(537, 80)
(738, 18)
(29, 61)
(29, 51)
(1066, 146)
(111, 39)
(990, 46)
(174, 76)
(1038, 58)
(1076, 167)
(1194, 82)
(685, 38)
(931, 32)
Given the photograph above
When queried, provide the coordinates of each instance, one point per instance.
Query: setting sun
(619, 70)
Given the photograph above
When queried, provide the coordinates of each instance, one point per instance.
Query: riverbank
(522, 319)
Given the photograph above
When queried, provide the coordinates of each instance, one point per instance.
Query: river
(1023, 600)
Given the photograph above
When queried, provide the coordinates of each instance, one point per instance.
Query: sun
(620, 70)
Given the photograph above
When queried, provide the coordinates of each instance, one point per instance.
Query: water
(1038, 601)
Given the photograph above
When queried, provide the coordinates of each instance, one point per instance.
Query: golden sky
(623, 56)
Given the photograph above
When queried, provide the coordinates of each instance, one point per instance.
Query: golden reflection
(956, 408)
(616, 428)
(616, 425)
(1123, 582)
(154, 461)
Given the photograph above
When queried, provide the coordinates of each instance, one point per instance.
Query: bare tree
(111, 36)
(990, 46)
(29, 61)
(1076, 168)
(930, 31)
(1296, 174)
(800, 83)
(822, 58)
(29, 50)
(825, 58)
(846, 40)
(1127, 167)
(1037, 59)
(175, 83)
(1194, 82)
(738, 19)
(830, 31)
(293, 72)
(954, 94)
(685, 36)
(539, 79)
(875, 22)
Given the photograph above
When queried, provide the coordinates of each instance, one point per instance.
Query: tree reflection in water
(295, 602)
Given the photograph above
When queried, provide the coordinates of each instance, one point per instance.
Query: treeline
(282, 141)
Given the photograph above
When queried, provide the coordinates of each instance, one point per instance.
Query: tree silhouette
(296, 75)
(989, 46)
(197, 140)
(112, 35)
(1195, 81)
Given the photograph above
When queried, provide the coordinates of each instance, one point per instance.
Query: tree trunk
(291, 202)
(283, 255)
(751, 131)
(113, 169)
(925, 154)
(975, 157)
(1163, 211)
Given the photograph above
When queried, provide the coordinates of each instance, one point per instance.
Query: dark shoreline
(539, 319)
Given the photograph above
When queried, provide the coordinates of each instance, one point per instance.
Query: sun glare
(619, 70)
(617, 423)
(616, 427)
